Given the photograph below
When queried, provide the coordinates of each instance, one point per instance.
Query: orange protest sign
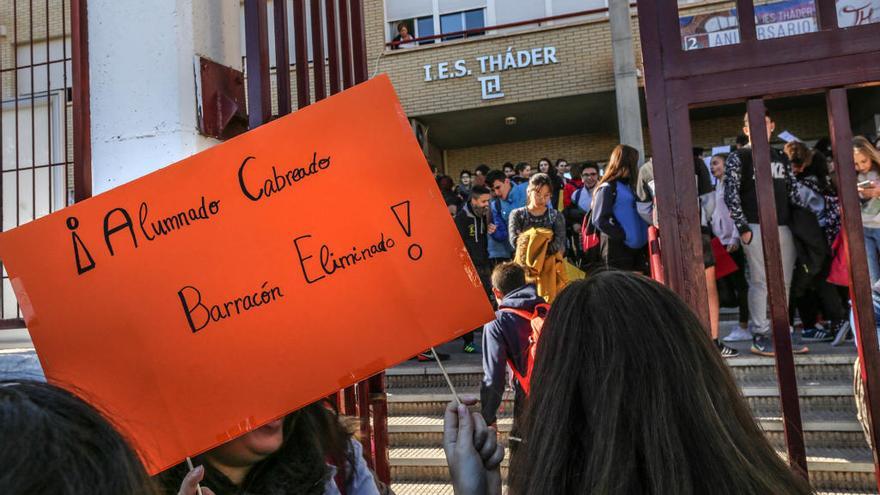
(228, 289)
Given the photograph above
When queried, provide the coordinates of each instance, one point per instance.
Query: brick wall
(806, 123)
(583, 48)
(572, 148)
(584, 65)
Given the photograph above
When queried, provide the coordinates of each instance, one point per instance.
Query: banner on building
(772, 20)
(224, 291)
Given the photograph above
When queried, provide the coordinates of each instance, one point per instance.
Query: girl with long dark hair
(630, 397)
(623, 232)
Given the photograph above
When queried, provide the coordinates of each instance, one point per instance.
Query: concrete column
(142, 76)
(626, 82)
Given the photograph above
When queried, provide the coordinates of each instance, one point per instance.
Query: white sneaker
(738, 334)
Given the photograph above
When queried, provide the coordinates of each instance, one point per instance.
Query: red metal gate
(829, 61)
(343, 65)
(45, 161)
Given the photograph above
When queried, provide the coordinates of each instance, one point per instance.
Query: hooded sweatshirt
(741, 194)
(506, 337)
(472, 229)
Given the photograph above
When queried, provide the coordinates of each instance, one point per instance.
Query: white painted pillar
(626, 82)
(141, 69)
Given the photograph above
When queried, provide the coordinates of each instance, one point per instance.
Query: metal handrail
(483, 30)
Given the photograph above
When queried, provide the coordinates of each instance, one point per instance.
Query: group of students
(494, 207)
(811, 246)
(611, 409)
(512, 214)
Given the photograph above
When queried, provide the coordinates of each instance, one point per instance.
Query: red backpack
(536, 318)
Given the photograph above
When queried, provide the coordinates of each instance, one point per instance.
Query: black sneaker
(725, 350)
(426, 356)
(817, 335)
(471, 348)
(762, 345)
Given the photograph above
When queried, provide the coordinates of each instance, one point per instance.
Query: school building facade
(545, 85)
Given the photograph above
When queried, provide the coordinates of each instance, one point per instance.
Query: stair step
(836, 388)
(414, 488)
(818, 458)
(830, 468)
(839, 461)
(440, 488)
(747, 370)
(431, 424)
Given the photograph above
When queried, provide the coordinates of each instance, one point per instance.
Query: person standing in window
(403, 38)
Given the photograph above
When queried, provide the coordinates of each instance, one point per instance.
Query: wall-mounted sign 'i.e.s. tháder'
(226, 290)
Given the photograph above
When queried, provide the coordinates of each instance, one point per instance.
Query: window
(461, 21)
(451, 23)
(417, 28)
(474, 19)
(48, 73)
(425, 27)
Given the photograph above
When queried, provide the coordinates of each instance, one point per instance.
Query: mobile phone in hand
(865, 184)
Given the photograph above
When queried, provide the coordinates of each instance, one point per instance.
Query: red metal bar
(363, 405)
(745, 11)
(49, 111)
(359, 41)
(483, 30)
(345, 43)
(806, 76)
(64, 72)
(36, 65)
(687, 212)
(860, 283)
(772, 53)
(375, 440)
(36, 167)
(332, 45)
(3, 278)
(10, 323)
(349, 402)
(82, 148)
(827, 10)
(17, 140)
(678, 253)
(34, 115)
(301, 54)
(282, 58)
(257, 49)
(379, 403)
(318, 52)
(777, 298)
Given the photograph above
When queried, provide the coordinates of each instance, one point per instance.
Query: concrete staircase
(839, 459)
